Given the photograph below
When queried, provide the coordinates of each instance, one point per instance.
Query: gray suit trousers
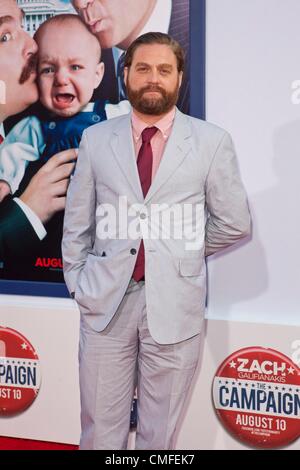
(113, 362)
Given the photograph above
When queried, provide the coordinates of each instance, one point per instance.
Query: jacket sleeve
(228, 218)
(79, 220)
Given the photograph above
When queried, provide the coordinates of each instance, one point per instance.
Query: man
(119, 22)
(22, 219)
(142, 302)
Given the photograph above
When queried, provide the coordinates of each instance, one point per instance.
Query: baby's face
(68, 68)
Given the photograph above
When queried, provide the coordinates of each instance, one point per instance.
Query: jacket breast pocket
(190, 186)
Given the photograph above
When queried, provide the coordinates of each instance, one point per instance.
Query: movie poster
(53, 124)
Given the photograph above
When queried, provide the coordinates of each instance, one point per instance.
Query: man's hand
(4, 189)
(46, 192)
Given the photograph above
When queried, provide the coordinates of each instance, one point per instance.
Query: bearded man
(153, 193)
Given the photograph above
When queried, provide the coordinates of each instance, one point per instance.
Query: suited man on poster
(139, 282)
(22, 219)
(116, 23)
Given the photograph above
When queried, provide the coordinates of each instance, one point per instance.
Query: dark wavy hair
(156, 38)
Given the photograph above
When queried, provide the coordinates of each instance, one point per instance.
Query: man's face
(17, 67)
(68, 67)
(114, 22)
(153, 81)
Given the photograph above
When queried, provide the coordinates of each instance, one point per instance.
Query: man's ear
(180, 78)
(126, 71)
(99, 74)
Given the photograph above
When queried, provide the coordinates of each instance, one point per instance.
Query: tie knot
(148, 133)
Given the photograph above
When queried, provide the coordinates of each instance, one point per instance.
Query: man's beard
(28, 69)
(152, 105)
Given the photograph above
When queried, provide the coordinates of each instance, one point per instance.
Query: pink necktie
(144, 163)
(1, 139)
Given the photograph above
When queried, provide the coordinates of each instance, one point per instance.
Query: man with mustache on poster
(117, 23)
(22, 219)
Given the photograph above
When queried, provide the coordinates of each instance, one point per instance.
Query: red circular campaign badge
(256, 394)
(19, 372)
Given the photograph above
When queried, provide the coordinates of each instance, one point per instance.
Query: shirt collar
(2, 130)
(164, 125)
(88, 108)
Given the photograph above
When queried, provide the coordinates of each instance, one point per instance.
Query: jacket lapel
(123, 150)
(175, 152)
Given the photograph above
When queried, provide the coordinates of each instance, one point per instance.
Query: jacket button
(133, 251)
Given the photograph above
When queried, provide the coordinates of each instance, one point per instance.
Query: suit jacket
(20, 247)
(179, 30)
(198, 170)
(23, 256)
(17, 236)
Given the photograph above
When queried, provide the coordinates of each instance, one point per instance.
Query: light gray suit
(198, 169)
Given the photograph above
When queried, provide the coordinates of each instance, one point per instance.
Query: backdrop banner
(57, 120)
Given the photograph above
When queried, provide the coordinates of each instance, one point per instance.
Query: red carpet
(11, 443)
